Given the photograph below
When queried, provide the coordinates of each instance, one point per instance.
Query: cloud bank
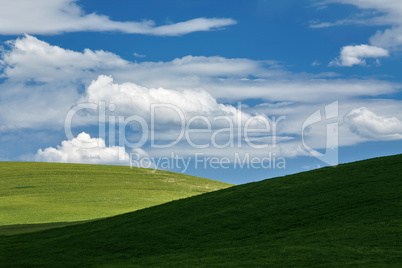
(41, 82)
(61, 16)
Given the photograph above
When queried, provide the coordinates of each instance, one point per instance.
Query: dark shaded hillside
(349, 215)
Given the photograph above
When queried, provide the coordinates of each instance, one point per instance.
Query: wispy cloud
(60, 16)
(139, 55)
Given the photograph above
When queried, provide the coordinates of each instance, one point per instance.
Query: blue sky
(204, 63)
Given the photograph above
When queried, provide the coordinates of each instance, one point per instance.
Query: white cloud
(83, 149)
(317, 24)
(355, 55)
(36, 106)
(367, 124)
(374, 12)
(43, 81)
(194, 25)
(58, 16)
(315, 63)
(228, 80)
(389, 38)
(315, 135)
(31, 59)
(139, 55)
(131, 99)
(176, 111)
(39, 98)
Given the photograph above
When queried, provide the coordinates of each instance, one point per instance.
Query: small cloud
(315, 24)
(84, 149)
(139, 55)
(355, 55)
(316, 63)
(368, 125)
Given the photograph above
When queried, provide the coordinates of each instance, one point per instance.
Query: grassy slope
(348, 216)
(34, 227)
(49, 192)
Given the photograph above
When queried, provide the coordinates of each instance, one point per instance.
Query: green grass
(344, 216)
(32, 193)
(28, 228)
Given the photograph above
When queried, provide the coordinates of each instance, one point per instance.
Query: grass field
(344, 216)
(50, 192)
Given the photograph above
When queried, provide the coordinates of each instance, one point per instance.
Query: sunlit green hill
(50, 192)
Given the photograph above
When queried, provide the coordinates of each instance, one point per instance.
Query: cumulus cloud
(168, 112)
(43, 81)
(84, 149)
(367, 124)
(59, 16)
(130, 98)
(355, 55)
(31, 59)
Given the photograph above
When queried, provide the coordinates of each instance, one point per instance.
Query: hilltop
(34, 193)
